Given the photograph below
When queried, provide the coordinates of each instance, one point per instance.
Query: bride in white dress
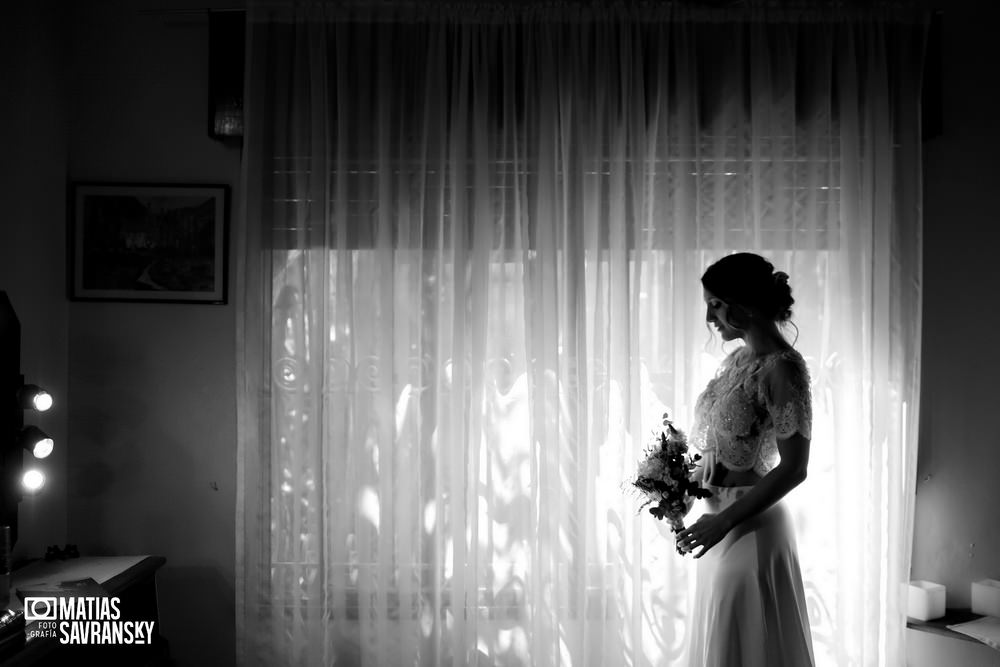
(752, 425)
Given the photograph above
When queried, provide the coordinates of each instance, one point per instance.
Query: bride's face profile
(716, 313)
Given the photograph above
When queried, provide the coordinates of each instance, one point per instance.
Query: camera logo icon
(39, 609)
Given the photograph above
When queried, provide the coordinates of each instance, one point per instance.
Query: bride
(752, 425)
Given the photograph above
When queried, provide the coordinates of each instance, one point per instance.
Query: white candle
(986, 597)
(926, 600)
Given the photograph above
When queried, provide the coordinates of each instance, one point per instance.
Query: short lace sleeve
(786, 395)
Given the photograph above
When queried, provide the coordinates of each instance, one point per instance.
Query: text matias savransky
(83, 620)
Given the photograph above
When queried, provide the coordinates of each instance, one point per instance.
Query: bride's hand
(706, 532)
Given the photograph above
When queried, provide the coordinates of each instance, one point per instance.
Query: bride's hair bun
(781, 297)
(749, 280)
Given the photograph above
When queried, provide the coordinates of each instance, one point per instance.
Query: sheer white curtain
(469, 259)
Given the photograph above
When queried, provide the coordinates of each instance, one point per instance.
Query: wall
(33, 137)
(957, 531)
(924, 649)
(152, 408)
(957, 528)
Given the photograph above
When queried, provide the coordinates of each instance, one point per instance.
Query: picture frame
(149, 242)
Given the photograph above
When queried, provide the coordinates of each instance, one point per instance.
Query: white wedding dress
(750, 608)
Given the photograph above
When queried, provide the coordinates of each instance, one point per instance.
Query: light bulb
(43, 448)
(33, 480)
(42, 401)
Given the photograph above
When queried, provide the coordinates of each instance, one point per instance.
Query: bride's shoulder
(786, 364)
(790, 355)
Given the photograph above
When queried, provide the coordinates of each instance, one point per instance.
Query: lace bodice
(752, 401)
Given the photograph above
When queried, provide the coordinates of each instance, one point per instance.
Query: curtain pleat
(468, 265)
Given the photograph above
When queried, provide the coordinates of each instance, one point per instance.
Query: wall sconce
(36, 441)
(225, 73)
(33, 397)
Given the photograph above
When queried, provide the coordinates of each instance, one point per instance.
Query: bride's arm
(710, 529)
(788, 474)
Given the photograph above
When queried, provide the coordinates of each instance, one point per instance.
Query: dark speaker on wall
(226, 41)
(11, 420)
(16, 478)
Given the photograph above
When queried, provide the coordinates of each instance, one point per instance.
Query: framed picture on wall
(139, 242)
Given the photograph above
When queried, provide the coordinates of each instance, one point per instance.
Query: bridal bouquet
(665, 477)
